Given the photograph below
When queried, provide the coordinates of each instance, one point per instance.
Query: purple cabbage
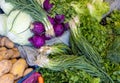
(59, 18)
(58, 29)
(37, 28)
(66, 26)
(37, 41)
(58, 25)
(47, 5)
(52, 20)
(48, 37)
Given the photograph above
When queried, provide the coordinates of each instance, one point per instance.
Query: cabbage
(3, 19)
(18, 24)
(18, 21)
(6, 6)
(16, 27)
(21, 38)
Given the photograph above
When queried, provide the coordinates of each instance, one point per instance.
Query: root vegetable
(2, 41)
(16, 53)
(40, 79)
(8, 54)
(3, 48)
(7, 78)
(3, 53)
(27, 71)
(9, 43)
(1, 58)
(5, 67)
(13, 60)
(19, 68)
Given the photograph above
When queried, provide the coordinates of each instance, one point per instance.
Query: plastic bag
(114, 5)
(28, 53)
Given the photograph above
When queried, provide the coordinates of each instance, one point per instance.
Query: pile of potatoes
(12, 67)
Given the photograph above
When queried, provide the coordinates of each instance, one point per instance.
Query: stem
(106, 75)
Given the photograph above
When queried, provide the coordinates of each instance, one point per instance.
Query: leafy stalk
(92, 56)
(62, 62)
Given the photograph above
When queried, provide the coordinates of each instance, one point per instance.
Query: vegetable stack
(92, 55)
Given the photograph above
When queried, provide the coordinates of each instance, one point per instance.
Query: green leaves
(81, 44)
(113, 52)
(78, 42)
(63, 7)
(70, 75)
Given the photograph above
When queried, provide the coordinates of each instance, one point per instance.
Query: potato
(3, 48)
(3, 51)
(7, 78)
(5, 67)
(3, 54)
(8, 54)
(9, 43)
(2, 41)
(18, 68)
(16, 53)
(1, 58)
(13, 60)
(27, 71)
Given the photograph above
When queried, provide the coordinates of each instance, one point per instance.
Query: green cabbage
(18, 24)
(6, 6)
(3, 19)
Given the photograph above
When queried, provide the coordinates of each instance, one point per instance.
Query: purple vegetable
(59, 18)
(66, 26)
(48, 37)
(58, 29)
(52, 20)
(38, 28)
(37, 41)
(47, 6)
(33, 78)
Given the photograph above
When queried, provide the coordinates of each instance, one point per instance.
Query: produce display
(59, 41)
(12, 67)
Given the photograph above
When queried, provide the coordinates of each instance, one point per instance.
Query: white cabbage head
(3, 19)
(5, 6)
(18, 24)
